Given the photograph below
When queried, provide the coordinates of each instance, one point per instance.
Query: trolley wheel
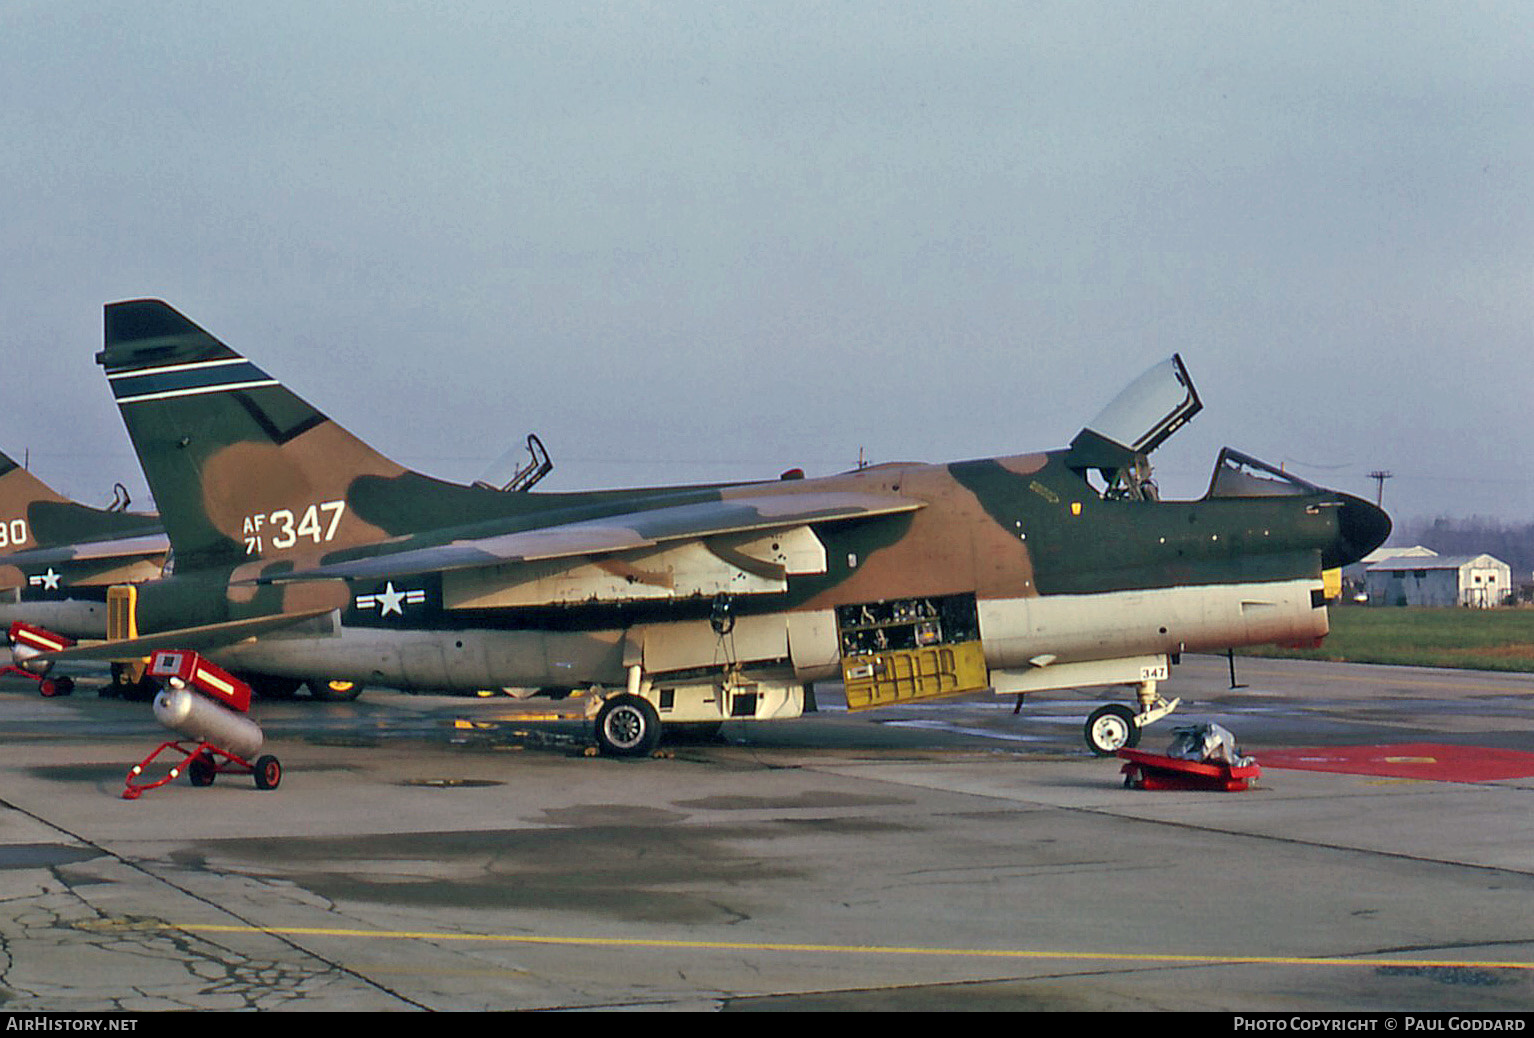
(628, 726)
(50, 687)
(268, 772)
(202, 770)
(1110, 729)
(335, 691)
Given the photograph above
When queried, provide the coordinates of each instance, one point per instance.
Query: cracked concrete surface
(102, 935)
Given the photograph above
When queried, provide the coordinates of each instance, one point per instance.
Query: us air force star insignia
(391, 601)
(48, 581)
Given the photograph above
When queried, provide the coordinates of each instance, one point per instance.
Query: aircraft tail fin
(241, 468)
(34, 515)
(19, 492)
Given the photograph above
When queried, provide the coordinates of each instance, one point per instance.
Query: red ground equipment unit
(207, 705)
(1153, 771)
(29, 641)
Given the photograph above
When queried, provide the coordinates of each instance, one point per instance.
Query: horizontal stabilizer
(92, 551)
(626, 532)
(208, 636)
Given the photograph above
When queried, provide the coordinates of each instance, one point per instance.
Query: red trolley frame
(202, 760)
(1153, 771)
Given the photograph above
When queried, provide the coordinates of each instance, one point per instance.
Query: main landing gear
(628, 726)
(1116, 727)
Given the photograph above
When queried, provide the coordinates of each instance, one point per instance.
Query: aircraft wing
(734, 519)
(208, 636)
(692, 546)
(144, 546)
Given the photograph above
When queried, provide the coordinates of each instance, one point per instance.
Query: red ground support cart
(29, 640)
(1154, 771)
(207, 705)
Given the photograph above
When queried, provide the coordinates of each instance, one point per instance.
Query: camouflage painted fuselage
(1053, 568)
(400, 579)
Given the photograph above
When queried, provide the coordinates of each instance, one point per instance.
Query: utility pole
(1379, 476)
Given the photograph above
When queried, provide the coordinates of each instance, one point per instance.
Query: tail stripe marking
(173, 380)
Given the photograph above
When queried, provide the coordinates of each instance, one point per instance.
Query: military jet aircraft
(302, 550)
(58, 557)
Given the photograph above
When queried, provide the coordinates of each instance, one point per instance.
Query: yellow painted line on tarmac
(857, 949)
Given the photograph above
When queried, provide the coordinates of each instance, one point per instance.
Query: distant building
(1476, 581)
(1416, 551)
(1355, 578)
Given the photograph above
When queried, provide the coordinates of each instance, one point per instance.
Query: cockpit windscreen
(1241, 475)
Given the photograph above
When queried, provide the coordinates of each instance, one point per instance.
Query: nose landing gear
(1116, 727)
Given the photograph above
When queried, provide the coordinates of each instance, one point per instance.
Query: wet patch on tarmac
(843, 826)
(1466, 976)
(87, 773)
(345, 742)
(812, 800)
(654, 873)
(43, 855)
(1003, 996)
(615, 815)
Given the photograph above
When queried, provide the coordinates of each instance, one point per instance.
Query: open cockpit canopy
(1136, 422)
(1150, 408)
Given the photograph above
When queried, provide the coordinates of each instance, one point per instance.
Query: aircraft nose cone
(1361, 527)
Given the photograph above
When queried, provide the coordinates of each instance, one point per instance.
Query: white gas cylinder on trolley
(195, 716)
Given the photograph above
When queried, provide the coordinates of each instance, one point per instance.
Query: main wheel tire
(335, 691)
(269, 686)
(628, 726)
(202, 770)
(1110, 729)
(268, 772)
(118, 686)
(139, 688)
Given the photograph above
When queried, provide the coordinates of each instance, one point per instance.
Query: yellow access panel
(122, 612)
(906, 675)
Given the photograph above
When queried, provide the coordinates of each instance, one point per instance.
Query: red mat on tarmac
(1417, 760)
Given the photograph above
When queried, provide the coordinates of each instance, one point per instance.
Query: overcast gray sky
(698, 241)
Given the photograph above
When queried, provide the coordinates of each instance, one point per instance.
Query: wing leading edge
(727, 526)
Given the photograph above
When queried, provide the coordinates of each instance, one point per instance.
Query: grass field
(1475, 639)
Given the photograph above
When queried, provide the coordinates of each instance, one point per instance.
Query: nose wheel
(1116, 727)
(1110, 729)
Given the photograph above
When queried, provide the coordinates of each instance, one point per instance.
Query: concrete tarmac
(443, 853)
